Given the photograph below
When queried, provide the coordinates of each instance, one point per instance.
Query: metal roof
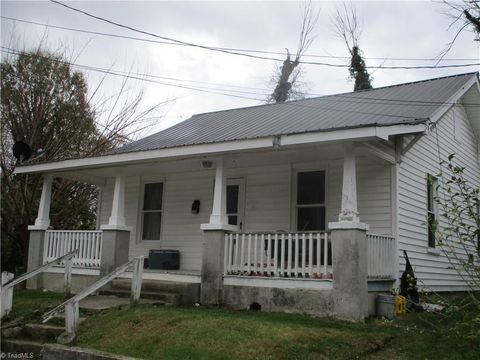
(405, 103)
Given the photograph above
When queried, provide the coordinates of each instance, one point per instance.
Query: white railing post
(72, 315)
(325, 254)
(68, 276)
(6, 297)
(136, 281)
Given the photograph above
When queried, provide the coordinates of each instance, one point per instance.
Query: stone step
(16, 346)
(166, 297)
(110, 301)
(153, 285)
(42, 332)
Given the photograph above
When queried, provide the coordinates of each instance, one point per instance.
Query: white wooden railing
(293, 255)
(71, 307)
(9, 281)
(381, 256)
(88, 243)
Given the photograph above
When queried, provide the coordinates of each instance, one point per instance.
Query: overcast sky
(397, 29)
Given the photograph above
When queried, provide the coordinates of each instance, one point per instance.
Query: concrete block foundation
(312, 302)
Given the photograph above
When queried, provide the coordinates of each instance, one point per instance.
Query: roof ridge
(331, 95)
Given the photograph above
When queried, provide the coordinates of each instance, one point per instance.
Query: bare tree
(45, 103)
(348, 28)
(287, 76)
(463, 14)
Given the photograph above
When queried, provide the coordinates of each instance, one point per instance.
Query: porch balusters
(305, 256)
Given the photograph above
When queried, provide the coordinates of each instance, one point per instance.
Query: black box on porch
(164, 259)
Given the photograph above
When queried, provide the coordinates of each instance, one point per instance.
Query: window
(152, 211)
(431, 209)
(310, 206)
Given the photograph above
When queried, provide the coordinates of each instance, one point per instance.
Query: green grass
(175, 333)
(31, 304)
(151, 332)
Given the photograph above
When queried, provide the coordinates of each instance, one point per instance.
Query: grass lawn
(31, 304)
(200, 333)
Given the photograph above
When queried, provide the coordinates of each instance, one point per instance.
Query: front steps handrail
(8, 281)
(71, 306)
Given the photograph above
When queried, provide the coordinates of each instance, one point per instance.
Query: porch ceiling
(380, 152)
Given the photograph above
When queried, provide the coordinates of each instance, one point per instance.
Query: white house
(300, 206)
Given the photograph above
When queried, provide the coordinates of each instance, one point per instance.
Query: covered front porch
(275, 211)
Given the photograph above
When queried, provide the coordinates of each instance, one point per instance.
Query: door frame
(241, 201)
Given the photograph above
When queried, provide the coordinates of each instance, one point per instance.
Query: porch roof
(369, 114)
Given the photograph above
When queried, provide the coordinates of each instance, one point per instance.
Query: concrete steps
(30, 339)
(170, 292)
(165, 297)
(20, 346)
(42, 332)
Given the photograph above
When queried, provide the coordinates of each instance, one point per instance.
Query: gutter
(270, 142)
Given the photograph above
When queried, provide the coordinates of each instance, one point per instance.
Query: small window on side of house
(152, 211)
(431, 209)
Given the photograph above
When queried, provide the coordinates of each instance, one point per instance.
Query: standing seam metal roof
(397, 104)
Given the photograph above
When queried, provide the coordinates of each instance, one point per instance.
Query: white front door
(236, 202)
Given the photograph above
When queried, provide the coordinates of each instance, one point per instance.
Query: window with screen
(152, 211)
(431, 209)
(310, 206)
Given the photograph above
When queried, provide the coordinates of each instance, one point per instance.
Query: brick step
(166, 297)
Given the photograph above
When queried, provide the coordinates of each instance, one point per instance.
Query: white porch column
(42, 222)
(349, 249)
(37, 233)
(218, 217)
(115, 235)
(219, 208)
(211, 289)
(349, 211)
(117, 216)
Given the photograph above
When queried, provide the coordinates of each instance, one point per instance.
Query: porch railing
(381, 256)
(88, 243)
(293, 255)
(300, 255)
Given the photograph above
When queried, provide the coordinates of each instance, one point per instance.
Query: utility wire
(255, 56)
(110, 72)
(345, 98)
(293, 103)
(225, 48)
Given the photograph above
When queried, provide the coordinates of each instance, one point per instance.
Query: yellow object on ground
(400, 305)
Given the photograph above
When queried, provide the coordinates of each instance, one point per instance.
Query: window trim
(298, 168)
(143, 182)
(433, 211)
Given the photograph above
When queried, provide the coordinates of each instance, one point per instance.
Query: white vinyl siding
(433, 269)
(268, 203)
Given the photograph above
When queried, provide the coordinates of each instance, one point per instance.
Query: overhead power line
(210, 48)
(224, 48)
(293, 103)
(347, 97)
(110, 72)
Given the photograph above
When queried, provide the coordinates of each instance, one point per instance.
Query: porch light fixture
(207, 164)
(196, 206)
